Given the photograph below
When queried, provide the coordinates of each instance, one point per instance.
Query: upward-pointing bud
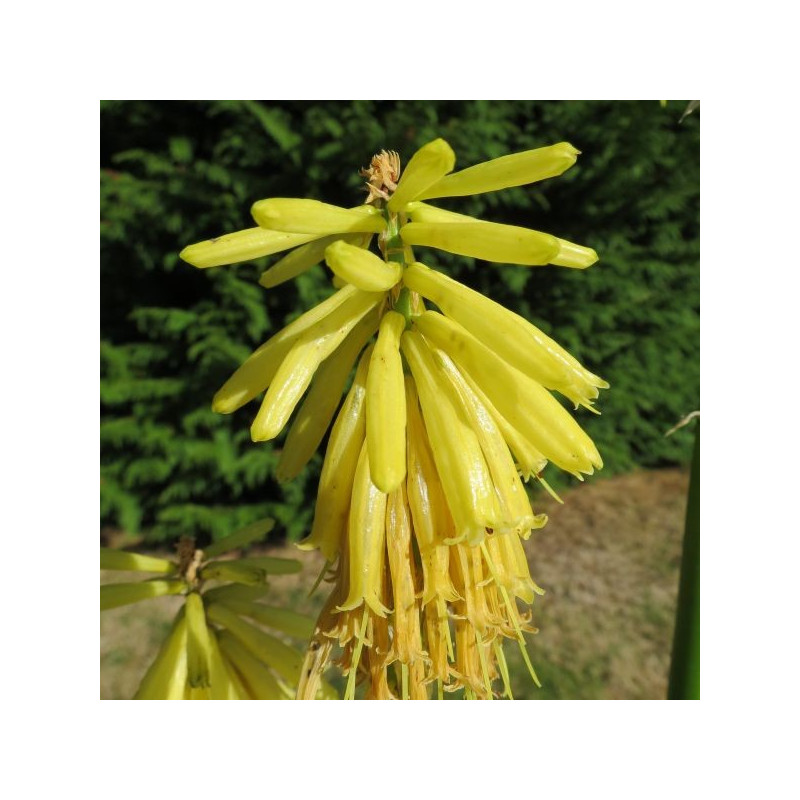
(516, 169)
(427, 166)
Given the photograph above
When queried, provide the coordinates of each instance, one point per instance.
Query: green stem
(393, 247)
(684, 674)
(403, 304)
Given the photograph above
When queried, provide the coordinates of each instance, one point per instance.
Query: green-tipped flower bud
(574, 255)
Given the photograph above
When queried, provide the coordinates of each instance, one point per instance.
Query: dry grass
(608, 559)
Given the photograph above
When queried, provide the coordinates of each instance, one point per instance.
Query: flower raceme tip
(286, 223)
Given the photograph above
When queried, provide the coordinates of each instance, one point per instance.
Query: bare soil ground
(608, 560)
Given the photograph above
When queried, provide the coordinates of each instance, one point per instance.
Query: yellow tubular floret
(427, 166)
(511, 569)
(521, 571)
(198, 643)
(386, 406)
(242, 246)
(422, 212)
(315, 414)
(361, 268)
(237, 682)
(523, 402)
(269, 565)
(255, 374)
(516, 169)
(574, 255)
(432, 521)
(468, 576)
(296, 215)
(285, 660)
(235, 592)
(223, 686)
(513, 338)
(462, 469)
(257, 679)
(339, 468)
(529, 460)
(518, 515)
(297, 369)
(366, 541)
(568, 255)
(490, 241)
(301, 260)
(407, 640)
(113, 595)
(165, 679)
(135, 562)
(283, 620)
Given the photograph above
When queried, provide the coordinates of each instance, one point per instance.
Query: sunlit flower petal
(366, 541)
(490, 241)
(303, 258)
(339, 468)
(426, 167)
(516, 169)
(510, 336)
(362, 268)
(386, 406)
(522, 401)
(298, 367)
(256, 373)
(246, 245)
(296, 215)
(515, 507)
(316, 412)
(460, 462)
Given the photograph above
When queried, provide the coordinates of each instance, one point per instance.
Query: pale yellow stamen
(484, 666)
(350, 692)
(500, 656)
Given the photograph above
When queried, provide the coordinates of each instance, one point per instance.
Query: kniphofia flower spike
(449, 412)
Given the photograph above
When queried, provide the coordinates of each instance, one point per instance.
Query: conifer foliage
(176, 173)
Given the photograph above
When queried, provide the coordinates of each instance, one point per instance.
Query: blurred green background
(173, 173)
